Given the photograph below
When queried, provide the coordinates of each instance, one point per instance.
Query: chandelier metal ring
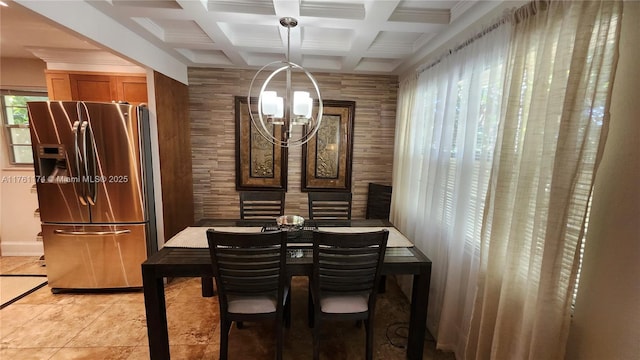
(261, 122)
(290, 109)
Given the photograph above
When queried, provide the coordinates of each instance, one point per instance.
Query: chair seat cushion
(237, 304)
(343, 304)
(251, 304)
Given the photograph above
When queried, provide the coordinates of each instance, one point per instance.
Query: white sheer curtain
(446, 135)
(561, 68)
(402, 160)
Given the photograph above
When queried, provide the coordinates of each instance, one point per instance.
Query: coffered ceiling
(352, 36)
(345, 36)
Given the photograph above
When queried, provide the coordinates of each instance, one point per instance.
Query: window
(15, 119)
(450, 135)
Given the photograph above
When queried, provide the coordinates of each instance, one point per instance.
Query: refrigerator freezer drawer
(94, 257)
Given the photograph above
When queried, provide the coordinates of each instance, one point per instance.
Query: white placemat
(196, 236)
(396, 239)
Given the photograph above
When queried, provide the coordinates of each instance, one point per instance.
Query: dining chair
(250, 274)
(346, 268)
(378, 201)
(379, 207)
(261, 204)
(253, 205)
(330, 205)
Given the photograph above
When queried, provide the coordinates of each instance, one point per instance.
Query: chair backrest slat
(348, 263)
(261, 204)
(246, 264)
(330, 205)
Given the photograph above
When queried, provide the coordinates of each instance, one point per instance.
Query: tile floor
(43, 325)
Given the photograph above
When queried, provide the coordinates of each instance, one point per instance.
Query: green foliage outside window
(16, 122)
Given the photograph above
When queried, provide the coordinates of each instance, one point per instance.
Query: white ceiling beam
(144, 25)
(376, 12)
(92, 24)
(439, 16)
(208, 22)
(141, 11)
(460, 8)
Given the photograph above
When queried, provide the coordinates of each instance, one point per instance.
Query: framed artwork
(260, 165)
(326, 158)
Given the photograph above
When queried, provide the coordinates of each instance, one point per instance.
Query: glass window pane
(23, 154)
(20, 136)
(14, 112)
(9, 100)
(16, 108)
(17, 115)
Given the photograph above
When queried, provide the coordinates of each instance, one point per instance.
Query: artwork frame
(327, 166)
(260, 165)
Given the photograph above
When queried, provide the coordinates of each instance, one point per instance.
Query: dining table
(187, 255)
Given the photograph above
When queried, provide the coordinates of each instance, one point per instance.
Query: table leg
(155, 308)
(207, 286)
(418, 320)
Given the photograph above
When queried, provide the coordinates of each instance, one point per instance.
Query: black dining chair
(253, 205)
(379, 207)
(330, 205)
(250, 274)
(261, 204)
(346, 268)
(378, 201)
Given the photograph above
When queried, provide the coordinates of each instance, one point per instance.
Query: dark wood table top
(396, 262)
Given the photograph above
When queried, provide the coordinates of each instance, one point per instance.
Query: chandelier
(293, 109)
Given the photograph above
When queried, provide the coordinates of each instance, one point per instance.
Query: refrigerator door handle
(90, 233)
(93, 183)
(79, 160)
(86, 190)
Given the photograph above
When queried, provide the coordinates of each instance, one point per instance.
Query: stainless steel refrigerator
(95, 192)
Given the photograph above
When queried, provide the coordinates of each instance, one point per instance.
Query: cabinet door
(132, 89)
(58, 86)
(92, 87)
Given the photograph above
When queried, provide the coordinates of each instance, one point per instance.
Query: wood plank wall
(174, 138)
(211, 109)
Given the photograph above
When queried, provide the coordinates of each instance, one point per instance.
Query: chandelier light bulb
(279, 107)
(302, 104)
(269, 105)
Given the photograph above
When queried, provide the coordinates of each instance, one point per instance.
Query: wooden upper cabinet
(132, 88)
(58, 86)
(92, 88)
(105, 87)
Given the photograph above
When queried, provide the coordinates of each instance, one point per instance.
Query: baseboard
(21, 248)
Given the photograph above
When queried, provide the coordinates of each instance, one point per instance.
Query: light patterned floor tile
(14, 316)
(25, 265)
(41, 353)
(192, 323)
(93, 353)
(54, 327)
(118, 325)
